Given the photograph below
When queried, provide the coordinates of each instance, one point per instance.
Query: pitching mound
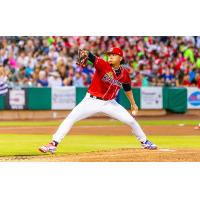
(120, 155)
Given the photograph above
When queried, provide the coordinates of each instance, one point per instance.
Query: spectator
(54, 79)
(180, 78)
(78, 80)
(22, 59)
(153, 81)
(186, 81)
(42, 79)
(160, 82)
(168, 78)
(145, 81)
(88, 75)
(20, 77)
(137, 82)
(36, 72)
(12, 62)
(198, 80)
(192, 75)
(160, 60)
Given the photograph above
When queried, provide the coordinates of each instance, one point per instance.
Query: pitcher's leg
(115, 110)
(83, 110)
(86, 108)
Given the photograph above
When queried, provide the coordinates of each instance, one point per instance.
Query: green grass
(103, 122)
(13, 144)
(22, 144)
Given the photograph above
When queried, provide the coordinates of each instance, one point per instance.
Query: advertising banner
(16, 99)
(63, 98)
(193, 98)
(151, 98)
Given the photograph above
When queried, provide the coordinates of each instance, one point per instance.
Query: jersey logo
(109, 77)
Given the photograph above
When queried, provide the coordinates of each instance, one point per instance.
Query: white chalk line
(42, 127)
(167, 150)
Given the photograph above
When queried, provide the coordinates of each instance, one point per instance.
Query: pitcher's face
(114, 60)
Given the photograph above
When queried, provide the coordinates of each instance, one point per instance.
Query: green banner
(39, 98)
(176, 99)
(80, 94)
(123, 100)
(2, 104)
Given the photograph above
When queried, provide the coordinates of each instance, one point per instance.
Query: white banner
(17, 99)
(63, 98)
(193, 98)
(151, 98)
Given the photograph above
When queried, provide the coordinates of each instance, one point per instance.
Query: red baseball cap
(115, 50)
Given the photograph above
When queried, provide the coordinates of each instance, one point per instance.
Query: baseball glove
(82, 58)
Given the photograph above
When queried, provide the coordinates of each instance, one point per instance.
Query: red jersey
(105, 83)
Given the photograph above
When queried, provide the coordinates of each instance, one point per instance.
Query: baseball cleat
(149, 145)
(48, 148)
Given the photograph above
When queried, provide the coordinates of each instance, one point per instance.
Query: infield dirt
(119, 155)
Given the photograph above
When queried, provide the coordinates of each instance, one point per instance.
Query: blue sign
(194, 98)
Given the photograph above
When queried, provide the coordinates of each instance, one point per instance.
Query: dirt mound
(119, 155)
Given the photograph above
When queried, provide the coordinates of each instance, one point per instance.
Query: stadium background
(45, 84)
(152, 61)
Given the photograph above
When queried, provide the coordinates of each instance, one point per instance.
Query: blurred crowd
(51, 61)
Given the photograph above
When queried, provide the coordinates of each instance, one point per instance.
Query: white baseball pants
(90, 106)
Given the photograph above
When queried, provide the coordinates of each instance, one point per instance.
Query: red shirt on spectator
(179, 63)
(186, 83)
(198, 82)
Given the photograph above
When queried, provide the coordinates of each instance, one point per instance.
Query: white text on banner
(151, 98)
(63, 98)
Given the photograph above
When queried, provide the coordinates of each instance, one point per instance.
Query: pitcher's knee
(72, 117)
(69, 121)
(131, 121)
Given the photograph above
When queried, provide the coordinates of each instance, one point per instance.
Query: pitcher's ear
(122, 61)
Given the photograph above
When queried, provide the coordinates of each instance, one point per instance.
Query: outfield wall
(177, 100)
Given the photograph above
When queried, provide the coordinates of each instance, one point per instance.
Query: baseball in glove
(82, 58)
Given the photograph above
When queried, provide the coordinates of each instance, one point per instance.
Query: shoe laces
(148, 142)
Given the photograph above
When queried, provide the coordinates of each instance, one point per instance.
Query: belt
(97, 97)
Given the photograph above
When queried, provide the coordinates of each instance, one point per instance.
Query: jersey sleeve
(100, 64)
(127, 79)
(126, 87)
(91, 57)
(126, 84)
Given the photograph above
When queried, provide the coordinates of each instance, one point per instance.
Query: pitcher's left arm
(128, 91)
(134, 108)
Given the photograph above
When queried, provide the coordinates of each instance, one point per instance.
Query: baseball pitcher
(109, 77)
